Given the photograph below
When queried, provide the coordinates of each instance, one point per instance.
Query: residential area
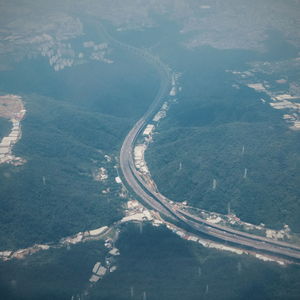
(12, 108)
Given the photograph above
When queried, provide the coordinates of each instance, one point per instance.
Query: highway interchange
(133, 179)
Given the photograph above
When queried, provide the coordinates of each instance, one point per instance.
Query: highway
(133, 179)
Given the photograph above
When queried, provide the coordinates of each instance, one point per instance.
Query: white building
(149, 129)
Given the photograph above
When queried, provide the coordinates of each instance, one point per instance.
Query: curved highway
(160, 203)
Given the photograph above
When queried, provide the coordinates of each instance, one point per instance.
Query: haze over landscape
(149, 149)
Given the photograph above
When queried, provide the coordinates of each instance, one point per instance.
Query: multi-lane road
(160, 203)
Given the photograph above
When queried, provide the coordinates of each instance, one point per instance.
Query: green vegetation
(5, 126)
(54, 194)
(165, 267)
(206, 132)
(157, 262)
(74, 117)
(53, 274)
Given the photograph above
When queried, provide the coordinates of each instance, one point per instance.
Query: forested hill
(203, 138)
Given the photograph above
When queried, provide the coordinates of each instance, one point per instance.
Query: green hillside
(54, 194)
(206, 132)
(74, 118)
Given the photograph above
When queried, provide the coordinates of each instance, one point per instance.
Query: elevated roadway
(160, 203)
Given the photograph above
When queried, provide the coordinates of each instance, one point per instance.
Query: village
(12, 108)
(282, 101)
(283, 94)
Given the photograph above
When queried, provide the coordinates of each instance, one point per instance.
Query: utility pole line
(131, 292)
(243, 150)
(214, 184)
(180, 166)
(206, 290)
(239, 267)
(141, 227)
(144, 296)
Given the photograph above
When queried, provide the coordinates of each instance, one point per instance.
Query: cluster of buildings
(139, 152)
(84, 236)
(218, 246)
(181, 233)
(281, 101)
(136, 212)
(284, 233)
(161, 113)
(100, 270)
(98, 51)
(285, 101)
(101, 174)
(289, 101)
(72, 240)
(232, 221)
(148, 130)
(9, 141)
(175, 77)
(60, 55)
(22, 253)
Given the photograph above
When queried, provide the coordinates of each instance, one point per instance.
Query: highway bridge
(133, 179)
